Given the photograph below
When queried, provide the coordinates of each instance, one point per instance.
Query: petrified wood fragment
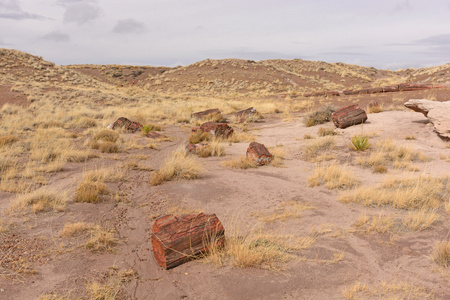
(217, 129)
(259, 153)
(176, 240)
(126, 124)
(348, 116)
(205, 113)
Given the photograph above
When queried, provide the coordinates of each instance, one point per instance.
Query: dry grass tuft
(179, 165)
(240, 163)
(323, 131)
(74, 229)
(39, 201)
(241, 136)
(385, 290)
(279, 155)
(333, 176)
(106, 135)
(108, 147)
(8, 140)
(441, 254)
(103, 291)
(319, 116)
(101, 240)
(420, 219)
(318, 146)
(416, 193)
(90, 192)
(198, 137)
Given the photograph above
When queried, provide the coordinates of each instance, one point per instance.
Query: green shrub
(360, 143)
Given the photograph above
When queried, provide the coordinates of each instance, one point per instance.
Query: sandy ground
(235, 196)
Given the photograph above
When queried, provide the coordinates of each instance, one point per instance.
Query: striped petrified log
(217, 129)
(348, 116)
(176, 240)
(259, 153)
(205, 113)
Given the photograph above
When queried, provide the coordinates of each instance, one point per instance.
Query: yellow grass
(179, 165)
(279, 155)
(421, 219)
(73, 229)
(318, 146)
(441, 254)
(332, 176)
(39, 201)
(91, 192)
(104, 291)
(287, 210)
(391, 290)
(101, 239)
(240, 163)
(414, 193)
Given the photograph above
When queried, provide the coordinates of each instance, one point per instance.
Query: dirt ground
(62, 266)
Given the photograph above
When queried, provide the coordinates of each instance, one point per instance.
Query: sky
(385, 34)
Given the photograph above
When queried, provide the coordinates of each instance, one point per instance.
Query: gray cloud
(129, 26)
(56, 36)
(81, 12)
(10, 9)
(403, 6)
(436, 40)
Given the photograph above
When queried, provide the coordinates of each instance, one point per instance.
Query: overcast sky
(380, 33)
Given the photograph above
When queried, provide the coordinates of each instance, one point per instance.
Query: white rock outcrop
(437, 112)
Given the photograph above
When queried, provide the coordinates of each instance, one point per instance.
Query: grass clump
(360, 143)
(240, 163)
(279, 155)
(179, 165)
(8, 140)
(385, 290)
(214, 148)
(198, 137)
(90, 192)
(319, 116)
(318, 146)
(420, 219)
(40, 201)
(441, 254)
(101, 240)
(326, 131)
(106, 135)
(108, 147)
(416, 193)
(150, 127)
(74, 229)
(332, 176)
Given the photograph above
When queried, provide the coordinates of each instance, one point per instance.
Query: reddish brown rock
(126, 124)
(259, 153)
(390, 89)
(348, 116)
(217, 129)
(194, 148)
(176, 240)
(205, 113)
(249, 113)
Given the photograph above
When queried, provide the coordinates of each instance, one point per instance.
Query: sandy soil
(63, 266)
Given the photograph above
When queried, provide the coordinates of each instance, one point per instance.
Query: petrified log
(348, 116)
(436, 112)
(390, 89)
(176, 240)
(217, 129)
(259, 153)
(250, 112)
(205, 113)
(126, 124)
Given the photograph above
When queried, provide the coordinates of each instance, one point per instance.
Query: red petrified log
(126, 124)
(259, 153)
(217, 129)
(176, 240)
(205, 113)
(348, 116)
(246, 113)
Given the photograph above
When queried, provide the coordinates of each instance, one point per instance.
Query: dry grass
(101, 240)
(8, 140)
(385, 290)
(39, 201)
(287, 210)
(198, 137)
(108, 147)
(103, 291)
(279, 155)
(416, 193)
(333, 176)
(90, 191)
(441, 254)
(420, 219)
(323, 131)
(241, 136)
(318, 146)
(106, 135)
(214, 148)
(74, 229)
(319, 116)
(179, 165)
(240, 163)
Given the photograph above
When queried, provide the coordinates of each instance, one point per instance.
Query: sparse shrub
(108, 147)
(150, 127)
(240, 163)
(379, 169)
(360, 143)
(94, 144)
(179, 165)
(308, 137)
(410, 137)
(319, 116)
(420, 219)
(40, 201)
(326, 131)
(87, 122)
(374, 109)
(333, 176)
(106, 135)
(441, 254)
(101, 240)
(91, 192)
(73, 229)
(198, 137)
(320, 145)
(8, 140)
